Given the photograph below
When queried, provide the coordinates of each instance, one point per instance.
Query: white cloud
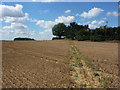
(11, 14)
(79, 24)
(50, 24)
(109, 13)
(1, 19)
(95, 24)
(67, 11)
(65, 20)
(119, 6)
(33, 20)
(45, 33)
(18, 29)
(114, 13)
(45, 24)
(16, 19)
(101, 22)
(91, 13)
(91, 26)
(11, 11)
(7, 27)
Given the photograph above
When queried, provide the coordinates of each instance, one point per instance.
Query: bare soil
(46, 64)
(105, 54)
(35, 64)
(87, 73)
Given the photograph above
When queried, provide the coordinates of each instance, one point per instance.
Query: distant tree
(59, 30)
(69, 33)
(22, 39)
(81, 33)
(97, 38)
(73, 30)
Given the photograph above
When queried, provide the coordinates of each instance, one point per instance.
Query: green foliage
(72, 69)
(57, 38)
(71, 57)
(97, 38)
(74, 65)
(80, 64)
(82, 33)
(59, 30)
(82, 38)
(76, 75)
(96, 74)
(83, 85)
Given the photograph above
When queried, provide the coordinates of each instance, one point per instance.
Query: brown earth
(88, 74)
(104, 54)
(35, 64)
(45, 64)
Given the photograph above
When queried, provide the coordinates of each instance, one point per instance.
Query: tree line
(23, 39)
(83, 32)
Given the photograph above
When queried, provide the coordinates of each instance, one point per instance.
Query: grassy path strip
(85, 74)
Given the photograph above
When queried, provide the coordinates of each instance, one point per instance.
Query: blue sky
(36, 19)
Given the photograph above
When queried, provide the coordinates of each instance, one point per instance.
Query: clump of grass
(77, 58)
(96, 67)
(80, 64)
(75, 47)
(72, 61)
(74, 53)
(105, 82)
(72, 48)
(74, 65)
(96, 74)
(82, 85)
(71, 57)
(76, 75)
(72, 69)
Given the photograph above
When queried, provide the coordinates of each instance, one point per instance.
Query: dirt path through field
(105, 54)
(87, 74)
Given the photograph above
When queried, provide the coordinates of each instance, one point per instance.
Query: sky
(36, 19)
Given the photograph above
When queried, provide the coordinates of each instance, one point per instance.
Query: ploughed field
(103, 54)
(35, 64)
(59, 64)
